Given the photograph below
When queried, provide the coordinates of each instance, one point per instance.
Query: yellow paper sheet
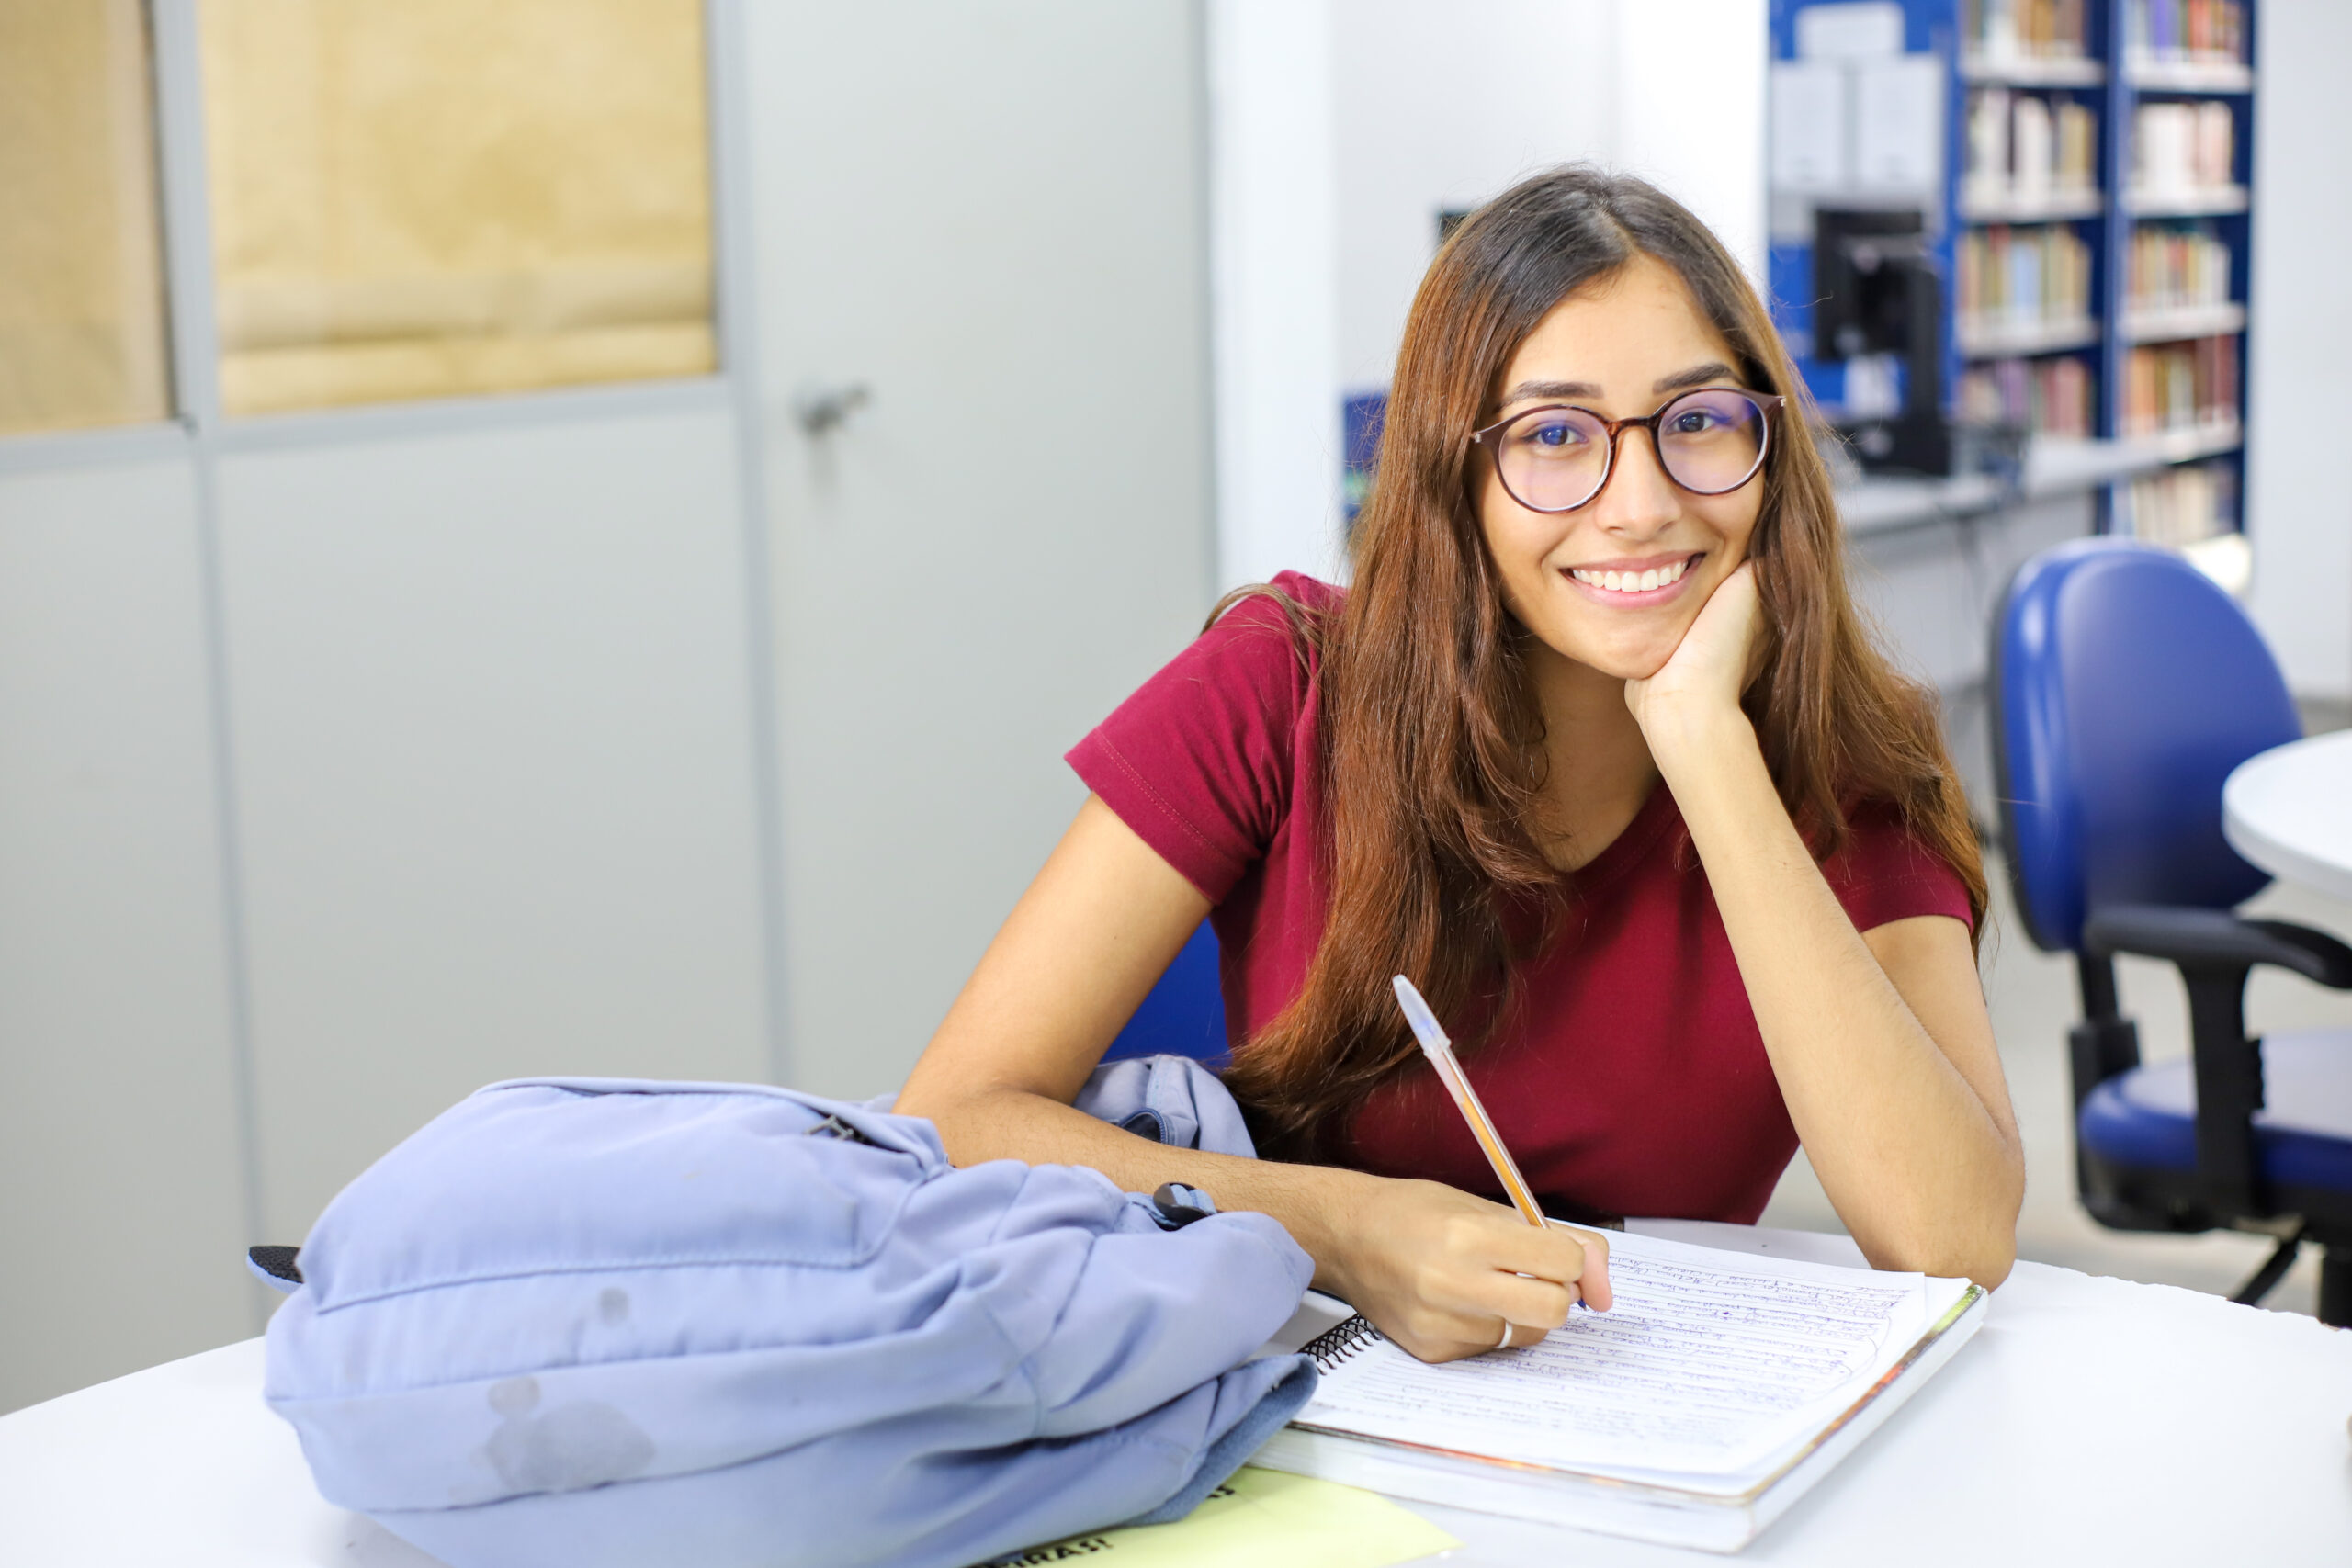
(1261, 1518)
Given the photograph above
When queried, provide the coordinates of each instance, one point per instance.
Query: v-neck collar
(1656, 817)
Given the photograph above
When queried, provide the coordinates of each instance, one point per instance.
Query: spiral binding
(1336, 1345)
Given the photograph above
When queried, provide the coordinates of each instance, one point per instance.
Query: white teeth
(1632, 581)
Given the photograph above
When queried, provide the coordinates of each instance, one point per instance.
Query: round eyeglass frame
(1767, 404)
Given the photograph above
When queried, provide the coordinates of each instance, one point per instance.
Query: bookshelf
(2091, 225)
(2181, 231)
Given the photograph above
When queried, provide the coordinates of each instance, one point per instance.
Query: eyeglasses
(1709, 442)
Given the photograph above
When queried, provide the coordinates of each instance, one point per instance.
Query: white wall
(1439, 107)
(1425, 109)
(1691, 79)
(1442, 106)
(2299, 506)
(1274, 252)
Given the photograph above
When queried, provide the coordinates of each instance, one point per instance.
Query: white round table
(2288, 810)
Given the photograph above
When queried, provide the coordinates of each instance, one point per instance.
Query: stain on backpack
(567, 1449)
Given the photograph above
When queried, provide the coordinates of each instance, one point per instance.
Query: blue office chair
(2125, 686)
(1184, 1015)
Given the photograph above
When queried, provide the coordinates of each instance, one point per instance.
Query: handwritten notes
(1707, 1365)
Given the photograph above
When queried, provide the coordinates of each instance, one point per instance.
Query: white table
(2288, 810)
(2090, 1422)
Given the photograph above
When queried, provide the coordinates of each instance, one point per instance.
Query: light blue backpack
(590, 1322)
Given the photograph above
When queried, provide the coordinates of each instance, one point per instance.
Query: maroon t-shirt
(1631, 1079)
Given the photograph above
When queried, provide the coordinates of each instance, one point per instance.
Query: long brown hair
(1432, 743)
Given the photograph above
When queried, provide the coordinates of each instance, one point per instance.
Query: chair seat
(2147, 1117)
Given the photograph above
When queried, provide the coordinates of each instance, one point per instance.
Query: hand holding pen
(1592, 1286)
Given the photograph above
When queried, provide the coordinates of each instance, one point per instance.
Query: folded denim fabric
(586, 1322)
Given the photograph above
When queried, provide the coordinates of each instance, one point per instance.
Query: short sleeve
(1202, 759)
(1884, 875)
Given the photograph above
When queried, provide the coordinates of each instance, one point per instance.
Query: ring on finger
(1509, 1327)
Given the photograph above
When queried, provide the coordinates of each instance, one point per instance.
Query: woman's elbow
(1992, 1261)
(1981, 1242)
(1980, 1245)
(1984, 1256)
(1987, 1249)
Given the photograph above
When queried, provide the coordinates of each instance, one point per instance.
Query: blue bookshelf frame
(1929, 26)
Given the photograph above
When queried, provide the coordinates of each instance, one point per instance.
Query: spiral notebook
(1715, 1392)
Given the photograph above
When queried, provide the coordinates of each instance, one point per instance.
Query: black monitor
(1876, 290)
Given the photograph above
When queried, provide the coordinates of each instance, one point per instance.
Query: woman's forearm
(1923, 1171)
(1435, 1267)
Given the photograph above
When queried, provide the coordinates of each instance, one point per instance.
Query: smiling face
(1614, 584)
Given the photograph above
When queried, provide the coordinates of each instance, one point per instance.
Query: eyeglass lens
(1709, 441)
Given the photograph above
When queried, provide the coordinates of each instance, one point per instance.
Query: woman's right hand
(1439, 1272)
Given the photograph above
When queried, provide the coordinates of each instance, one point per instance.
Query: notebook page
(1710, 1364)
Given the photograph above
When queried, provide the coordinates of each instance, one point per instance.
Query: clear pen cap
(1418, 1014)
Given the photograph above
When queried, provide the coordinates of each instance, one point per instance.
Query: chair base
(2336, 1287)
(2137, 1199)
(2273, 1268)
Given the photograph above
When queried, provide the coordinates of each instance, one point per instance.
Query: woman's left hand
(1698, 687)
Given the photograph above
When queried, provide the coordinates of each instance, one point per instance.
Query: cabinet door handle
(823, 409)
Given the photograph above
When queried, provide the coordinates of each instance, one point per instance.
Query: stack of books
(2026, 150)
(2182, 151)
(2182, 506)
(2027, 287)
(2055, 398)
(2177, 267)
(2006, 29)
(2181, 385)
(2182, 31)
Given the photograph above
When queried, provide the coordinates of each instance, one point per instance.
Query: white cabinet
(991, 219)
(479, 790)
(123, 1191)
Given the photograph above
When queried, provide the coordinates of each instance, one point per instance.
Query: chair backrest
(1184, 1013)
(2125, 686)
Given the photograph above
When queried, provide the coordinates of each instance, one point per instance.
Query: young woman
(1595, 750)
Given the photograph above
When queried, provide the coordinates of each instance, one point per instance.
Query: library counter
(2052, 469)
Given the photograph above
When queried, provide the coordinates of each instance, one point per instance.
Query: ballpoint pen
(1440, 1051)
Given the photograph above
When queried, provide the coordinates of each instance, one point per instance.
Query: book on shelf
(2181, 385)
(2180, 150)
(2023, 150)
(2055, 397)
(2022, 280)
(2002, 29)
(2210, 32)
(2176, 266)
(2177, 507)
(1718, 1390)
